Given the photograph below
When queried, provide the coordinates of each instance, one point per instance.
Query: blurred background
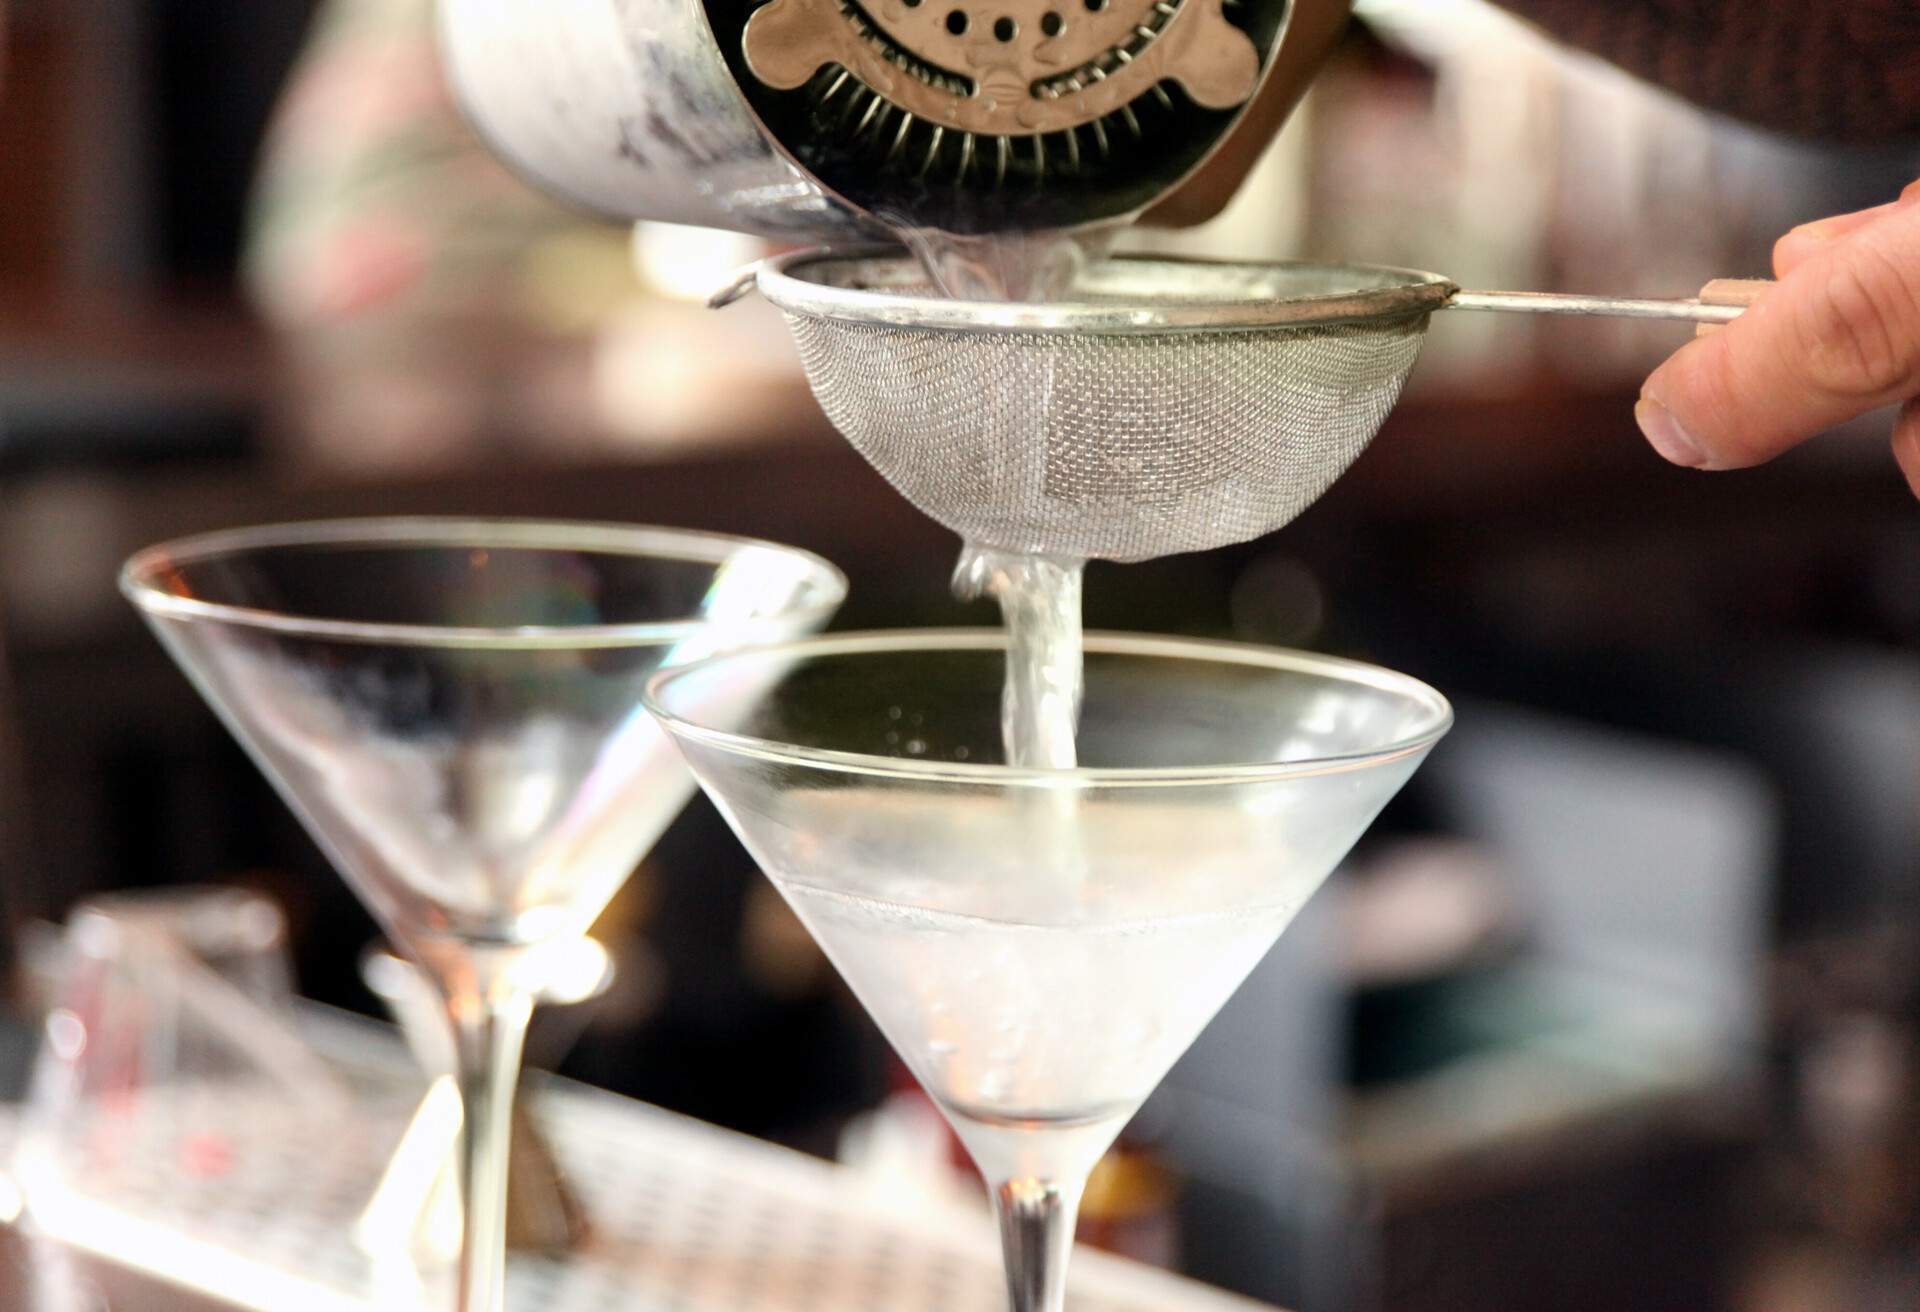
(1616, 1009)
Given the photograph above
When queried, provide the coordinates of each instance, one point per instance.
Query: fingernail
(1666, 435)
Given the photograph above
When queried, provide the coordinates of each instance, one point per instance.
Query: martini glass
(452, 708)
(1041, 945)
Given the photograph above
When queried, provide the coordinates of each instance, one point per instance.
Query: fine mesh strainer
(1172, 405)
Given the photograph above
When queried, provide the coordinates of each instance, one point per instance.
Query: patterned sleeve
(1844, 69)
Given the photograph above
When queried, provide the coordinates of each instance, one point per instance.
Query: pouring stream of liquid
(1039, 600)
(1039, 596)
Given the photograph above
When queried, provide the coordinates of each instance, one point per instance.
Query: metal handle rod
(737, 287)
(1690, 309)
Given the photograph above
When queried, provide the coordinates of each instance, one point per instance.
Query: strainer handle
(747, 278)
(737, 286)
(1720, 302)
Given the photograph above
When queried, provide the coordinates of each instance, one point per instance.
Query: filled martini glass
(1040, 945)
(452, 708)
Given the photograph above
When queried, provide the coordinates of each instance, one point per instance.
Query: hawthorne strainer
(1172, 405)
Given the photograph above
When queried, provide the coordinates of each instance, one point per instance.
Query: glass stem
(489, 1019)
(1036, 1236)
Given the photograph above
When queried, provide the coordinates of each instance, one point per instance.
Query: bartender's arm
(1840, 335)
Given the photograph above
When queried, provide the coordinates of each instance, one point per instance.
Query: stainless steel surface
(1025, 68)
(1051, 116)
(1123, 296)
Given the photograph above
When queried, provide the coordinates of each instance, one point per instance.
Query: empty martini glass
(1041, 945)
(452, 708)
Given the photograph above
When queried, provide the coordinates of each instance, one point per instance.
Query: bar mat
(684, 1217)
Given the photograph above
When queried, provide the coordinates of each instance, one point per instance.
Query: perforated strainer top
(1172, 406)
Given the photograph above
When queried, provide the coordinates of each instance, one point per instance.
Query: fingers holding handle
(1836, 337)
(1730, 291)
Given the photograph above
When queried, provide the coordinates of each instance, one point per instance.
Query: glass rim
(138, 578)
(894, 641)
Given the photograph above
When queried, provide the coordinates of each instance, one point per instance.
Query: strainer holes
(1051, 24)
(1005, 30)
(1095, 6)
(957, 22)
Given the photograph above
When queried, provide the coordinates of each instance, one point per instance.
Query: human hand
(1836, 337)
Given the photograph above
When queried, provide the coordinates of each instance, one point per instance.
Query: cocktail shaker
(846, 120)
